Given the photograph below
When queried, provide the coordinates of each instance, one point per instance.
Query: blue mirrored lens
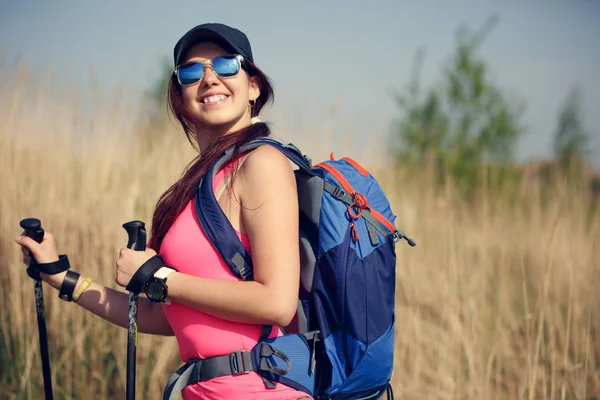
(190, 73)
(226, 66)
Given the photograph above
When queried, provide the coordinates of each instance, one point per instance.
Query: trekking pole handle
(33, 229)
(137, 235)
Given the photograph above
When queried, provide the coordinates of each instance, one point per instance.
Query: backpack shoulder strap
(289, 150)
(213, 220)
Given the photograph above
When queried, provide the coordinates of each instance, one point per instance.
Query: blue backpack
(340, 344)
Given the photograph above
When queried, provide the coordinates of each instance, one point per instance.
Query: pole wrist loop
(56, 267)
(145, 271)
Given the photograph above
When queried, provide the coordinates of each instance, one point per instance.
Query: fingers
(120, 268)
(43, 252)
(118, 264)
(28, 245)
(128, 262)
(117, 281)
(26, 257)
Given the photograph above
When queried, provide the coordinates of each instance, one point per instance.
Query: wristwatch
(156, 286)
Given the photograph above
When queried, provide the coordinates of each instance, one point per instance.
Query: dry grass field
(499, 300)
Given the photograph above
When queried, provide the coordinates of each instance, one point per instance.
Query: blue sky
(348, 53)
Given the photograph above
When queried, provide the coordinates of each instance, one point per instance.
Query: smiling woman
(217, 107)
(216, 92)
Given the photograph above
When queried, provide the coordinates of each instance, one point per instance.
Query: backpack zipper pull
(353, 231)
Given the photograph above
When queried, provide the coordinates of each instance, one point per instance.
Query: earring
(256, 119)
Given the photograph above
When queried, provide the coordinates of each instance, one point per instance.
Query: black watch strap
(137, 282)
(68, 286)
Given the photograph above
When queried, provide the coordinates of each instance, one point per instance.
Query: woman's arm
(107, 303)
(266, 188)
(112, 305)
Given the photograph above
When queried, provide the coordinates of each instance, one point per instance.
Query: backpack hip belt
(268, 359)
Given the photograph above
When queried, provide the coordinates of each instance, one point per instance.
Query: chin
(216, 123)
(219, 121)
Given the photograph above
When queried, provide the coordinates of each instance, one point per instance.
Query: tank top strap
(223, 177)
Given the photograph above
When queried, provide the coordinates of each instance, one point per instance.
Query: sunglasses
(223, 66)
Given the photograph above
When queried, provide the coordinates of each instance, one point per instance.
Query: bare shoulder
(266, 162)
(267, 156)
(264, 169)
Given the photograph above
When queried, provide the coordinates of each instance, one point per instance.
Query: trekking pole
(33, 229)
(137, 241)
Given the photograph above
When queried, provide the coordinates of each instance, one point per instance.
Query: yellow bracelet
(84, 285)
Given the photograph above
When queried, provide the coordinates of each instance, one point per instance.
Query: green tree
(571, 139)
(462, 122)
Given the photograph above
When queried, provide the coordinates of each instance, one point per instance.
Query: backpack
(340, 344)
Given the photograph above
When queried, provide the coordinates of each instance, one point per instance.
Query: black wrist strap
(34, 274)
(137, 282)
(61, 265)
(68, 286)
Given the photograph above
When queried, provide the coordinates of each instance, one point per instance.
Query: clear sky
(349, 53)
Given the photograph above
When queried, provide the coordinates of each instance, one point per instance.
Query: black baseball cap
(229, 38)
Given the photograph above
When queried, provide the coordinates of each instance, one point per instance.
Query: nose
(209, 78)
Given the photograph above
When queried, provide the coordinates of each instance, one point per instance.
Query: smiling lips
(212, 99)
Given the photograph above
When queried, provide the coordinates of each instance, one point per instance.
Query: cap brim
(203, 35)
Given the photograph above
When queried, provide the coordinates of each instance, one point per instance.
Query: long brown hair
(174, 200)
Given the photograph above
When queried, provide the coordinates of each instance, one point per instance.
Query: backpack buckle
(266, 351)
(237, 364)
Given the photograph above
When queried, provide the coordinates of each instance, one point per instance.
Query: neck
(206, 136)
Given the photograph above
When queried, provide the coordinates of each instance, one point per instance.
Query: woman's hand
(44, 252)
(129, 262)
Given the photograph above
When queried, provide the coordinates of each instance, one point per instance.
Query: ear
(254, 88)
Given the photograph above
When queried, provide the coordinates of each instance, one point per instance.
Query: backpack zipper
(356, 166)
(340, 271)
(350, 190)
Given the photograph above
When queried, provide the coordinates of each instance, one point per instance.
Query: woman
(216, 92)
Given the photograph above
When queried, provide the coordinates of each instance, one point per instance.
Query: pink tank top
(200, 335)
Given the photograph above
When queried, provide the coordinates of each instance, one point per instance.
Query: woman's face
(218, 104)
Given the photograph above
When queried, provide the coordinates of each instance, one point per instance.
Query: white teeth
(214, 99)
